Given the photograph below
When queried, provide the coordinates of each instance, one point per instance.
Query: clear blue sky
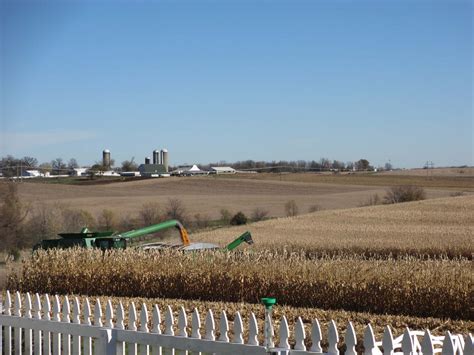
(236, 80)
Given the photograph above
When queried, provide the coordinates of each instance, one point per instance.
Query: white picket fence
(36, 328)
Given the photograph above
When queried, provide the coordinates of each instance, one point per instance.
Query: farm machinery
(112, 240)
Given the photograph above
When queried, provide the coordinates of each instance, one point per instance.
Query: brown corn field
(425, 229)
(404, 286)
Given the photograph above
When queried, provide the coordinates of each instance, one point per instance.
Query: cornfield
(424, 229)
(405, 286)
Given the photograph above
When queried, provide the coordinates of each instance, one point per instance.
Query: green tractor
(112, 240)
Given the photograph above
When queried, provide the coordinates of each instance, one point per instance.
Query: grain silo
(106, 158)
(164, 158)
(156, 157)
(147, 160)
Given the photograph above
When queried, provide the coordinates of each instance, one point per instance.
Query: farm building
(130, 173)
(189, 171)
(78, 172)
(222, 170)
(31, 173)
(152, 170)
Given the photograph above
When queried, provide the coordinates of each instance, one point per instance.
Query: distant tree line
(12, 166)
(274, 166)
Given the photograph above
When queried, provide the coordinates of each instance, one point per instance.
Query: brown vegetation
(428, 288)
(291, 208)
(422, 229)
(404, 193)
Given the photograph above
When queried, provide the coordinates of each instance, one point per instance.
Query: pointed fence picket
(29, 326)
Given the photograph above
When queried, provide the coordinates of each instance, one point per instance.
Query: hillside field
(208, 195)
(443, 226)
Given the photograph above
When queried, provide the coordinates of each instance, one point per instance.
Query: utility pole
(429, 166)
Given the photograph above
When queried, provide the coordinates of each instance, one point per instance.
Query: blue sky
(235, 80)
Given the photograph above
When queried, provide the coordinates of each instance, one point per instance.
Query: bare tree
(362, 164)
(72, 164)
(74, 220)
(58, 165)
(259, 214)
(107, 220)
(150, 213)
(404, 193)
(226, 215)
(129, 165)
(13, 213)
(176, 210)
(291, 208)
(30, 162)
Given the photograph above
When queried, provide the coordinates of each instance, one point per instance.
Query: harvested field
(208, 195)
(424, 228)
(460, 182)
(453, 172)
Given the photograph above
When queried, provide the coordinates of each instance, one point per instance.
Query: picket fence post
(223, 328)
(210, 327)
(132, 319)
(8, 329)
(87, 343)
(17, 330)
(253, 330)
(284, 334)
(238, 329)
(333, 339)
(144, 349)
(195, 325)
(120, 325)
(36, 314)
(76, 319)
(28, 332)
(316, 337)
(300, 335)
(47, 317)
(351, 340)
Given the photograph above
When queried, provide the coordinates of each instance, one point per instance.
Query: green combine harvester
(112, 240)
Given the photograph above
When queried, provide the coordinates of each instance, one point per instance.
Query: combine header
(112, 240)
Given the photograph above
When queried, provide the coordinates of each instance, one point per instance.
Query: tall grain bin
(106, 158)
(147, 160)
(156, 157)
(164, 158)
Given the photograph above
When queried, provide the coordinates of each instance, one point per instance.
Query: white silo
(106, 158)
(164, 158)
(147, 160)
(156, 157)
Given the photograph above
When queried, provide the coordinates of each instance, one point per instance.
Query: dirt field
(459, 172)
(208, 195)
(439, 179)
